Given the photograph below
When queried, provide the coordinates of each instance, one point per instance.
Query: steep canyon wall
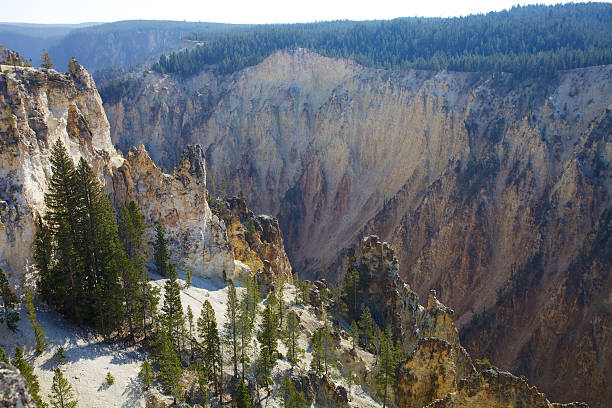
(488, 188)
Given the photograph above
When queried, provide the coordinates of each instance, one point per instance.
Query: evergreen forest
(526, 41)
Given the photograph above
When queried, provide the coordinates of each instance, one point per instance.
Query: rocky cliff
(436, 369)
(197, 237)
(14, 392)
(257, 241)
(470, 177)
(38, 107)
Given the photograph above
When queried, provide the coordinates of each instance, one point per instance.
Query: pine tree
(134, 278)
(230, 327)
(211, 344)
(151, 297)
(162, 254)
(46, 60)
(73, 66)
(3, 356)
(339, 306)
(351, 291)
(323, 350)
(43, 259)
(84, 280)
(296, 280)
(39, 333)
(268, 338)
(203, 378)
(316, 351)
(253, 298)
(354, 332)
(61, 219)
(188, 278)
(366, 325)
(386, 367)
(377, 340)
(28, 373)
(242, 397)
(191, 334)
(245, 332)
(291, 334)
(280, 300)
(99, 292)
(146, 375)
(60, 354)
(289, 395)
(168, 363)
(304, 292)
(172, 309)
(9, 301)
(61, 395)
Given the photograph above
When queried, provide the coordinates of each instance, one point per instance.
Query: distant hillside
(30, 39)
(98, 46)
(126, 43)
(531, 40)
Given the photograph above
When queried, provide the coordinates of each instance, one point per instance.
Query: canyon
(493, 191)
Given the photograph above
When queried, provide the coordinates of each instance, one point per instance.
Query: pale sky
(242, 11)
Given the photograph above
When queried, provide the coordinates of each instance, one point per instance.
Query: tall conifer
(230, 327)
(39, 333)
(61, 219)
(162, 254)
(291, 334)
(28, 373)
(211, 344)
(172, 309)
(62, 395)
(268, 337)
(9, 302)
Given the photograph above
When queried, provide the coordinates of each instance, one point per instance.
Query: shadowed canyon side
(481, 183)
(40, 107)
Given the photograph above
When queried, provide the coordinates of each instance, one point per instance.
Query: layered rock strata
(470, 177)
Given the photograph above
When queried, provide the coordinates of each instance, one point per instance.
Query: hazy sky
(241, 11)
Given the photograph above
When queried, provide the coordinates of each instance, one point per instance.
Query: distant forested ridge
(525, 41)
(125, 43)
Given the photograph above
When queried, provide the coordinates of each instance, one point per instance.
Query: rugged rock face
(470, 177)
(436, 366)
(179, 201)
(39, 107)
(257, 241)
(436, 361)
(14, 391)
(429, 373)
(494, 388)
(393, 303)
(10, 57)
(322, 390)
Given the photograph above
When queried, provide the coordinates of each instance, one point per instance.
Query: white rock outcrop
(38, 107)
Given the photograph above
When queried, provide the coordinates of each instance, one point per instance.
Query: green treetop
(9, 301)
(61, 395)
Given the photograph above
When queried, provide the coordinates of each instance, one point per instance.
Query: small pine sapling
(146, 375)
(59, 354)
